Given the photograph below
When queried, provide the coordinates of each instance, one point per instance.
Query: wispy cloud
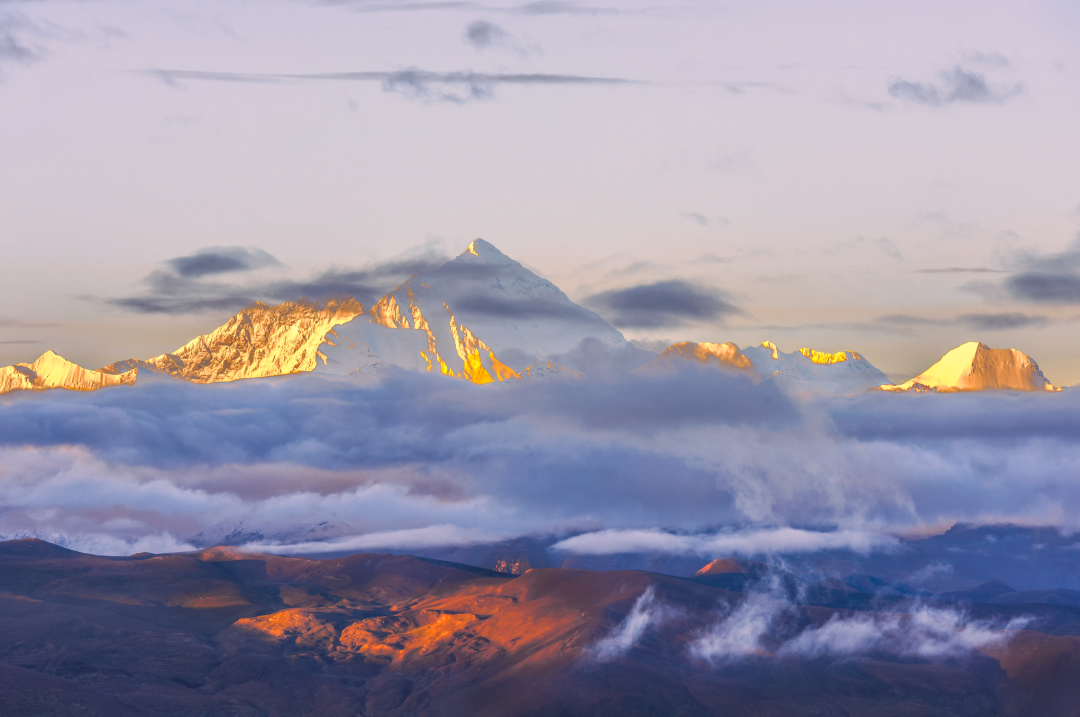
(739, 633)
(181, 287)
(961, 270)
(483, 35)
(17, 324)
(15, 47)
(956, 86)
(645, 612)
(539, 7)
(926, 633)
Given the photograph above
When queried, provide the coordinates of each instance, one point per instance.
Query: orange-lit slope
(259, 341)
(726, 356)
(974, 366)
(53, 371)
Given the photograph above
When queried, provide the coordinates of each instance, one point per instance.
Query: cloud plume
(645, 612)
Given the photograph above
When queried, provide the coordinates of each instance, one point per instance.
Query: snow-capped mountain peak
(482, 317)
(974, 366)
(51, 370)
(485, 252)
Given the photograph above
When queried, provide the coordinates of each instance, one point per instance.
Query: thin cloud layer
(748, 543)
(415, 83)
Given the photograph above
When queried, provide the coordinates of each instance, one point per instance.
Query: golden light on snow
(974, 366)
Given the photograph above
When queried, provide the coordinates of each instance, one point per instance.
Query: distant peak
(974, 366)
(772, 347)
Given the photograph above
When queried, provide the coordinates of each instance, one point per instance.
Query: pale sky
(816, 165)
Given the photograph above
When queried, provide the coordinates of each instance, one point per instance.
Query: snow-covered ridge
(974, 366)
(259, 341)
(810, 372)
(53, 371)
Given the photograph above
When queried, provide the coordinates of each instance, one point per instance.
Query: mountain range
(483, 317)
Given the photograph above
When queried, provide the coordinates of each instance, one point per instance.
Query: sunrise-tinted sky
(894, 179)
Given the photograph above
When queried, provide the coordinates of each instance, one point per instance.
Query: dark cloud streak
(179, 289)
(663, 303)
(221, 260)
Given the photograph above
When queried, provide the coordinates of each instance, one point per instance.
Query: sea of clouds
(693, 463)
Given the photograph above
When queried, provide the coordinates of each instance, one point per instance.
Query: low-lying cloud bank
(704, 464)
(748, 543)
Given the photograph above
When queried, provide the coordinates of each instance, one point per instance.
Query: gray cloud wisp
(415, 83)
(957, 86)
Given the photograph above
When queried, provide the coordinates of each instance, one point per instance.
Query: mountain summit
(974, 366)
(482, 317)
